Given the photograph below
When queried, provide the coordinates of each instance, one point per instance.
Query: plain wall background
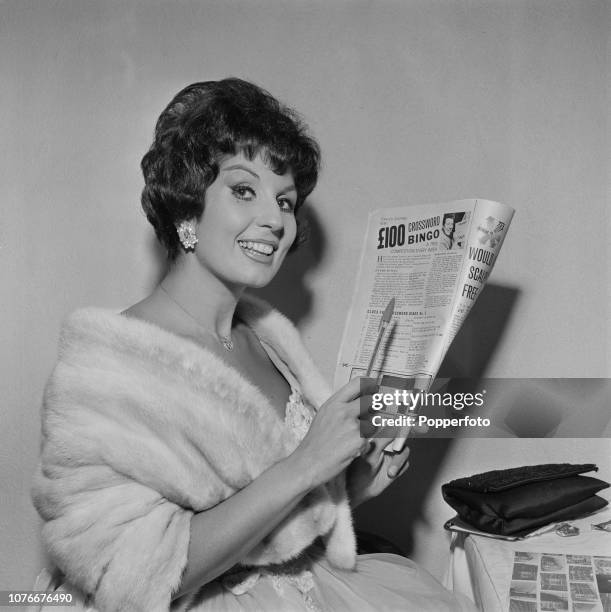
(412, 102)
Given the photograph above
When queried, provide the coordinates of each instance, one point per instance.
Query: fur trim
(141, 428)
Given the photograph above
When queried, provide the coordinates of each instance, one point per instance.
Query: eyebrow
(288, 189)
(240, 167)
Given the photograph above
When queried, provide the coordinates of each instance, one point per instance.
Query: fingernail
(392, 471)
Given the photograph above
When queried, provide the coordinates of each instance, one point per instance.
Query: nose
(270, 215)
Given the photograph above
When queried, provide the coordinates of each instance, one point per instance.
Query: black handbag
(517, 501)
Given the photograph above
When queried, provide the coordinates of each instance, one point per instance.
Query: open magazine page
(543, 581)
(434, 260)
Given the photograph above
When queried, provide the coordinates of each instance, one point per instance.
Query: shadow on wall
(475, 344)
(394, 514)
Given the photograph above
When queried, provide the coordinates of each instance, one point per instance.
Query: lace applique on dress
(292, 573)
(298, 416)
(297, 574)
(240, 581)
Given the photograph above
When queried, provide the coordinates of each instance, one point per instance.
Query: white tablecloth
(481, 567)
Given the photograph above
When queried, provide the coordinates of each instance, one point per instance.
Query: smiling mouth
(259, 248)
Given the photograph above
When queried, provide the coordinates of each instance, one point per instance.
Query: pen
(388, 312)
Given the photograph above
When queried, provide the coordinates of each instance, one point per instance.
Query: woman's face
(248, 223)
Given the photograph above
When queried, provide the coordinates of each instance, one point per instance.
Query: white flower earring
(186, 234)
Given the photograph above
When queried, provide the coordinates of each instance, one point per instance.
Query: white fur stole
(142, 428)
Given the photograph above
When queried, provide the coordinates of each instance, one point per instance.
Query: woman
(184, 465)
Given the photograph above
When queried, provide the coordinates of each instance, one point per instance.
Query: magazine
(546, 581)
(434, 261)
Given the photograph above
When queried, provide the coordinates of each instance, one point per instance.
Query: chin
(249, 281)
(257, 279)
(259, 284)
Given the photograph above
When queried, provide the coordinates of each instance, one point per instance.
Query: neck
(203, 296)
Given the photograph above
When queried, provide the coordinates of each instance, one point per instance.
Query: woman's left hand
(368, 475)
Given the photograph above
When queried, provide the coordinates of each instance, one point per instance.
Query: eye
(286, 204)
(244, 192)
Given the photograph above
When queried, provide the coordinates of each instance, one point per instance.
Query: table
(480, 567)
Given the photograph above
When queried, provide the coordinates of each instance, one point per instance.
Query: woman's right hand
(223, 535)
(334, 439)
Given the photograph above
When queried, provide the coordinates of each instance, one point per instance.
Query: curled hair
(202, 124)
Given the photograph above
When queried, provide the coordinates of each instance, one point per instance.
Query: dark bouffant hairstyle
(203, 123)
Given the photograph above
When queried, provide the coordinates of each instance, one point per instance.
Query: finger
(365, 404)
(354, 407)
(399, 443)
(386, 430)
(388, 448)
(363, 449)
(360, 408)
(375, 458)
(366, 446)
(371, 427)
(421, 429)
(355, 388)
(370, 455)
(381, 424)
(377, 449)
(402, 469)
(398, 464)
(367, 428)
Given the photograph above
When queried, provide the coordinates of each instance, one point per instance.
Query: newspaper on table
(434, 260)
(549, 581)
